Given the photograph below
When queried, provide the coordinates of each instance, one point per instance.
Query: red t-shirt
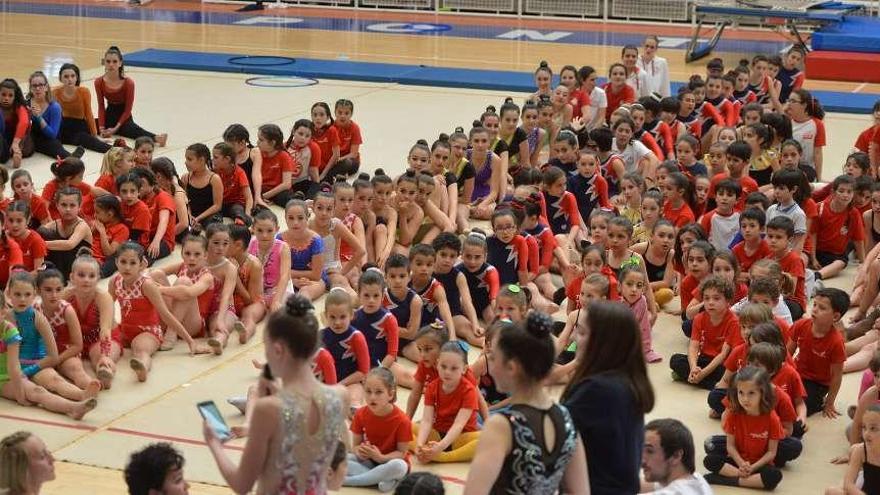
(425, 374)
(747, 184)
(446, 406)
(10, 255)
(678, 216)
(578, 99)
(348, 136)
(139, 217)
(835, 229)
(162, 201)
(868, 136)
(39, 208)
(793, 265)
(626, 94)
(747, 260)
(712, 337)
(87, 207)
(738, 358)
(384, 432)
(324, 367)
(234, 185)
(107, 182)
(753, 433)
(784, 407)
(815, 354)
(811, 210)
(688, 286)
(117, 232)
(788, 380)
(326, 139)
(274, 167)
(32, 246)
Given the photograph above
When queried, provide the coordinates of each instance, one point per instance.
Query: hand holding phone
(208, 410)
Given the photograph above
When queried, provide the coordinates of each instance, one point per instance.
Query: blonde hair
(755, 314)
(112, 158)
(14, 463)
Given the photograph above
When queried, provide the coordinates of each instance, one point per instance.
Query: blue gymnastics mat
(854, 34)
(416, 75)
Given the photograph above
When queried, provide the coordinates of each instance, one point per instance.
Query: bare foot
(216, 346)
(92, 389)
(82, 408)
(161, 139)
(140, 369)
(168, 342)
(239, 328)
(105, 374)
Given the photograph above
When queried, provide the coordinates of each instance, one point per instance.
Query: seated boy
(838, 223)
(722, 224)
(779, 234)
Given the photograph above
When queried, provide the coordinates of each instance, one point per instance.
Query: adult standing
(668, 460)
(532, 446)
(294, 431)
(656, 68)
(608, 396)
(116, 100)
(25, 464)
(807, 127)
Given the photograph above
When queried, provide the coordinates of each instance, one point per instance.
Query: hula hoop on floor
(261, 61)
(280, 82)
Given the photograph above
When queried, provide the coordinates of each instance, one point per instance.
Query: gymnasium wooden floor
(393, 117)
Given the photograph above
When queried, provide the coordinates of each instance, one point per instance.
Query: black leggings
(50, 147)
(281, 199)
(76, 132)
(26, 144)
(345, 167)
(679, 364)
(128, 128)
(236, 211)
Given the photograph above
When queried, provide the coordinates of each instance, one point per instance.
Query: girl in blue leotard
(306, 251)
(39, 352)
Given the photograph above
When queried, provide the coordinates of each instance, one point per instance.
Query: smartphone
(267, 372)
(208, 410)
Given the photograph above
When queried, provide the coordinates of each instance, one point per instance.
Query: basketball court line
(604, 34)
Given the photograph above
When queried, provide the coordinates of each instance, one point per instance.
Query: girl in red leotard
(93, 306)
(143, 308)
(189, 297)
(65, 327)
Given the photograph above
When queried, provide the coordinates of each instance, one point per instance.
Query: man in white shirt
(668, 460)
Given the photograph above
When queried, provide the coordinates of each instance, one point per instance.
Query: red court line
(153, 436)
(49, 423)
(447, 18)
(167, 438)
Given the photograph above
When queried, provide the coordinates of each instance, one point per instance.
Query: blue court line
(571, 36)
(418, 75)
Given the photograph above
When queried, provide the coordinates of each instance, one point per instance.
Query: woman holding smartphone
(299, 427)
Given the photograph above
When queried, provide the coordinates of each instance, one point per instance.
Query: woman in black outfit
(532, 446)
(609, 395)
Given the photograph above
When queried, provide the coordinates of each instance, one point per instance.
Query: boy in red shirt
(753, 247)
(163, 212)
(838, 223)
(821, 351)
(780, 231)
(715, 332)
(136, 214)
(738, 153)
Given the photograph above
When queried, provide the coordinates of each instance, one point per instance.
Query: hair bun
(539, 324)
(443, 137)
(363, 176)
(509, 99)
(543, 64)
(422, 142)
(379, 172)
(491, 109)
(298, 306)
(459, 129)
